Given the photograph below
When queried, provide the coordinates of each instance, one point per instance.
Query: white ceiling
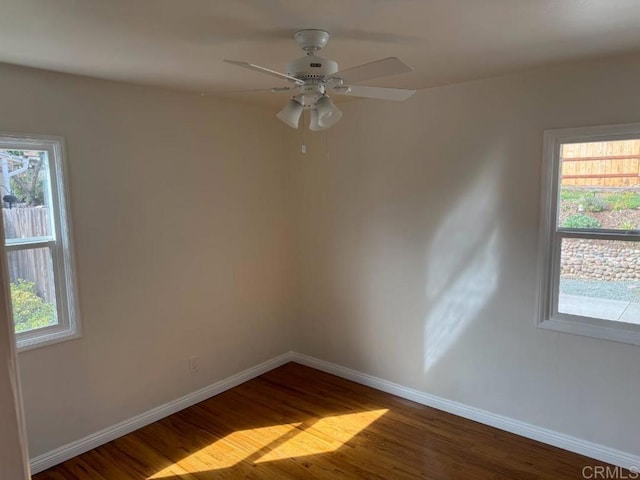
(180, 44)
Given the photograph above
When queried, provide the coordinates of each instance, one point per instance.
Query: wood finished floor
(295, 422)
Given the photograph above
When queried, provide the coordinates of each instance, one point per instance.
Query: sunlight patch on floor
(275, 442)
(326, 435)
(227, 451)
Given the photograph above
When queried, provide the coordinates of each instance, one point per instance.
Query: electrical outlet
(194, 364)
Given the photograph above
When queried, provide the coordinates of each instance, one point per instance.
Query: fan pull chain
(326, 144)
(303, 146)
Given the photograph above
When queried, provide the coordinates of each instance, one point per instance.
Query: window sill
(601, 329)
(33, 340)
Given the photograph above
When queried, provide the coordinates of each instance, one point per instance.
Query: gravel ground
(627, 291)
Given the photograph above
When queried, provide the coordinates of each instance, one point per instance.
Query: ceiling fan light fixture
(314, 121)
(291, 113)
(328, 113)
(312, 76)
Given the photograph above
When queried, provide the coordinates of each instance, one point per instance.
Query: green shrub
(570, 195)
(593, 203)
(627, 226)
(29, 310)
(624, 200)
(581, 221)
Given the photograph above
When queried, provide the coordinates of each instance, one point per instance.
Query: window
(37, 240)
(590, 238)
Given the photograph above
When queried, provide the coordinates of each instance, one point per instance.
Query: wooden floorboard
(295, 422)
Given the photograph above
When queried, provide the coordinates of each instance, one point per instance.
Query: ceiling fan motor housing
(311, 67)
(311, 39)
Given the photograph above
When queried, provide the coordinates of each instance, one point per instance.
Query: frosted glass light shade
(328, 113)
(314, 123)
(291, 113)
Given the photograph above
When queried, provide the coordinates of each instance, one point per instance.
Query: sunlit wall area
(417, 229)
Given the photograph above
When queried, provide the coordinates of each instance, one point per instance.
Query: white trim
(544, 435)
(597, 133)
(13, 423)
(70, 450)
(61, 243)
(550, 239)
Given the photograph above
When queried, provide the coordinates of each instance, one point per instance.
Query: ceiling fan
(313, 77)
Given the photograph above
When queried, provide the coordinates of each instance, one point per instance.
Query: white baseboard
(544, 435)
(566, 442)
(70, 450)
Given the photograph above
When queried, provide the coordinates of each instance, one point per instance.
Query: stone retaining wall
(600, 260)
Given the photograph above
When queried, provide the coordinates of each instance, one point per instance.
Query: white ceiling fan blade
(381, 93)
(265, 70)
(379, 68)
(253, 90)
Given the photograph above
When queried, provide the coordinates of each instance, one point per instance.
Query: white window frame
(60, 243)
(551, 236)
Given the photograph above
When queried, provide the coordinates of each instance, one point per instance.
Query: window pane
(24, 180)
(32, 289)
(600, 185)
(600, 279)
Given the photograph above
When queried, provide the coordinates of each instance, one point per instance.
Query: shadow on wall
(462, 264)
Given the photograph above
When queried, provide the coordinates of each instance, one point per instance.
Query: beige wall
(418, 230)
(181, 246)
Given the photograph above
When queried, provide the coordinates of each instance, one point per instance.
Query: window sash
(555, 292)
(28, 244)
(596, 234)
(63, 321)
